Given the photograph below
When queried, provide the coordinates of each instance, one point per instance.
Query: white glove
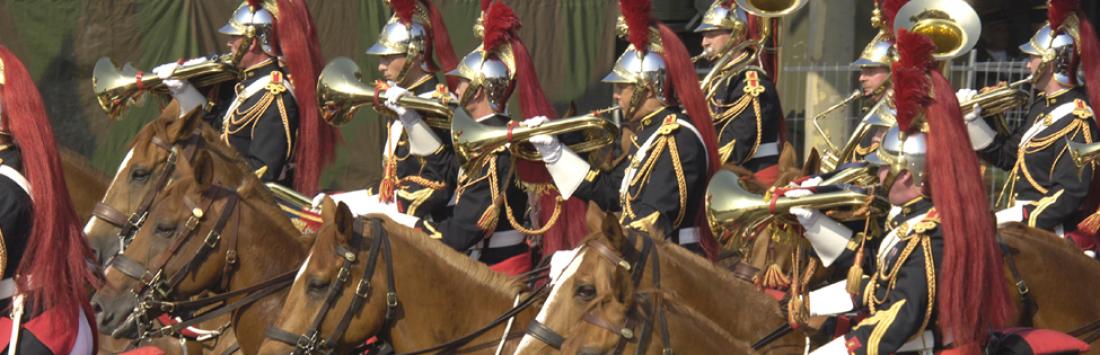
(1011, 214)
(534, 121)
(315, 204)
(965, 95)
(798, 193)
(393, 94)
(805, 215)
(829, 238)
(401, 218)
(548, 146)
(811, 182)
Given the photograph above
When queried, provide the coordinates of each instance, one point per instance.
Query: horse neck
(711, 291)
(464, 295)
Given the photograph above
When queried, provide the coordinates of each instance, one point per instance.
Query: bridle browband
(157, 287)
(128, 224)
(311, 341)
(635, 262)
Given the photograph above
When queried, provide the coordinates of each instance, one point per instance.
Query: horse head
(146, 169)
(341, 295)
(175, 255)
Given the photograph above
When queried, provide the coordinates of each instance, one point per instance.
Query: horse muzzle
(114, 313)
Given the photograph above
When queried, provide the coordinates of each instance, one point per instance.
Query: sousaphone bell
(952, 25)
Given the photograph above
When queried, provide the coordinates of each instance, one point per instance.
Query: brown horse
(144, 171)
(439, 295)
(86, 184)
(687, 281)
(238, 241)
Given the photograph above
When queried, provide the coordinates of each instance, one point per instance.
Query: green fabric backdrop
(572, 43)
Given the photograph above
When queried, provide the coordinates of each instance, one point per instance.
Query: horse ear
(179, 128)
(328, 209)
(344, 220)
(203, 167)
(612, 230)
(813, 163)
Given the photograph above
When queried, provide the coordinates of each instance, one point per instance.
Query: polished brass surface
(473, 140)
(832, 149)
(881, 116)
(1083, 153)
(952, 25)
(999, 100)
(341, 92)
(116, 89)
(730, 208)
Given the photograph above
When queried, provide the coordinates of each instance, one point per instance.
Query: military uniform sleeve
(477, 211)
(272, 138)
(907, 307)
(1001, 153)
(1071, 186)
(753, 122)
(15, 221)
(431, 188)
(603, 187)
(662, 197)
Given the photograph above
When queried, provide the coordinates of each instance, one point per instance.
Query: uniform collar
(10, 156)
(1060, 96)
(260, 69)
(421, 84)
(915, 207)
(649, 119)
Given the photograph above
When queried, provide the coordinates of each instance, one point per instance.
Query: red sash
(515, 265)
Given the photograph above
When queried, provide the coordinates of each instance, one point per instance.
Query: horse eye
(585, 292)
(165, 229)
(140, 174)
(317, 285)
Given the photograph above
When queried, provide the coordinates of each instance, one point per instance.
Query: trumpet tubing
(473, 140)
(1083, 153)
(832, 149)
(116, 88)
(999, 100)
(340, 93)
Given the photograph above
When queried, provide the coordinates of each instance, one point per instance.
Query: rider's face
(714, 41)
(390, 66)
(872, 78)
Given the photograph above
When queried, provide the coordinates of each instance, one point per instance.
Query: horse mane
(702, 322)
(474, 270)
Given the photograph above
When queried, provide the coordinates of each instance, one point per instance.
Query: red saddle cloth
(515, 265)
(48, 330)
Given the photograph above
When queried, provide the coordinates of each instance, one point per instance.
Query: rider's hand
(392, 95)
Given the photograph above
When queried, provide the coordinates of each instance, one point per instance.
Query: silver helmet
(646, 71)
(901, 152)
(494, 74)
(399, 38)
(718, 18)
(880, 52)
(252, 23)
(1058, 51)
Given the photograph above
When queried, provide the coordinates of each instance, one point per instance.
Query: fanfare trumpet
(1083, 153)
(730, 208)
(341, 92)
(881, 116)
(473, 140)
(832, 149)
(998, 100)
(116, 88)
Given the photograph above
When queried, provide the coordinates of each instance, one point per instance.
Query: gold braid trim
(725, 112)
(247, 118)
(489, 218)
(889, 274)
(681, 181)
(422, 181)
(1036, 145)
(3, 253)
(286, 127)
(930, 276)
(883, 324)
(1041, 206)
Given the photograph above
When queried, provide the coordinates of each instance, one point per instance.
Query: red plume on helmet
(404, 10)
(298, 44)
(890, 10)
(255, 4)
(54, 271)
(912, 90)
(971, 295)
(441, 47)
(685, 84)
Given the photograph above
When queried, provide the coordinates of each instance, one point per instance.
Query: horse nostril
(96, 307)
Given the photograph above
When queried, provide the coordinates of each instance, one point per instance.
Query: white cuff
(568, 172)
(1011, 214)
(828, 237)
(835, 347)
(981, 135)
(831, 300)
(189, 99)
(402, 219)
(422, 140)
(360, 202)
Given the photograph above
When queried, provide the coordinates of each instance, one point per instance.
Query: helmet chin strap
(635, 101)
(411, 54)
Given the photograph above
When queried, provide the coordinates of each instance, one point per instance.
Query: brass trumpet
(341, 92)
(473, 140)
(1083, 153)
(856, 94)
(881, 116)
(115, 88)
(729, 204)
(998, 100)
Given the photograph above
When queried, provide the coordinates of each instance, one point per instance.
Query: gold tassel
(1090, 224)
(855, 273)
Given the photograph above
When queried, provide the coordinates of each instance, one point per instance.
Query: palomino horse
(608, 271)
(372, 277)
(205, 236)
(86, 184)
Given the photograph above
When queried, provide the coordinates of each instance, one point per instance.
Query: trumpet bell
(115, 88)
(771, 8)
(473, 140)
(952, 25)
(341, 92)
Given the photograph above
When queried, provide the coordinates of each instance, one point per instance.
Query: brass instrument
(298, 200)
(473, 140)
(881, 116)
(859, 175)
(1083, 153)
(731, 208)
(832, 149)
(952, 25)
(341, 92)
(116, 88)
(734, 58)
(999, 100)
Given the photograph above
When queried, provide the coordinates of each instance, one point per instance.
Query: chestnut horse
(611, 270)
(372, 277)
(238, 242)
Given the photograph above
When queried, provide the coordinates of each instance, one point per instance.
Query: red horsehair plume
(485, 5)
(500, 26)
(1059, 10)
(636, 14)
(256, 4)
(404, 9)
(911, 83)
(890, 10)
(729, 4)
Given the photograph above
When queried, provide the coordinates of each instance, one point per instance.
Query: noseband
(129, 224)
(634, 261)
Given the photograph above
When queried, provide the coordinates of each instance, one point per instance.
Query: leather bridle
(129, 224)
(157, 287)
(635, 262)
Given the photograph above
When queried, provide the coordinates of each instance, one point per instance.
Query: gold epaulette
(442, 94)
(1081, 109)
(752, 83)
(276, 85)
(669, 125)
(929, 223)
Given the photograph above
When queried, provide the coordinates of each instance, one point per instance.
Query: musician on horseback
(937, 277)
(489, 204)
(44, 259)
(1044, 188)
(270, 116)
(418, 169)
(673, 155)
(742, 98)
